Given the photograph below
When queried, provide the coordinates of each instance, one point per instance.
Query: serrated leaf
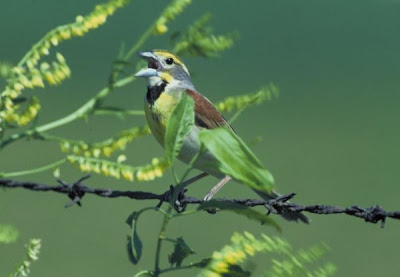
(236, 159)
(134, 244)
(181, 252)
(179, 125)
(241, 210)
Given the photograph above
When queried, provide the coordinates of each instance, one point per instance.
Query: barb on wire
(78, 190)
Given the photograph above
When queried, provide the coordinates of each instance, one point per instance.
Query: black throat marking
(154, 92)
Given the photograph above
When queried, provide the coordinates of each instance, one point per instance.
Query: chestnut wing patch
(206, 115)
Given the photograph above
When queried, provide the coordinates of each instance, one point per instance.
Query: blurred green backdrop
(332, 136)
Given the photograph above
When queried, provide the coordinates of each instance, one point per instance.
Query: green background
(332, 136)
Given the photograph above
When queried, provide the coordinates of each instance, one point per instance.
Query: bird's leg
(216, 188)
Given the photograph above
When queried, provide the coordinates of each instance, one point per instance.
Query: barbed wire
(279, 205)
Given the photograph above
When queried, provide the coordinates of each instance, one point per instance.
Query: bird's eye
(169, 61)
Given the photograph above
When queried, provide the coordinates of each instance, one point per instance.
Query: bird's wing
(206, 115)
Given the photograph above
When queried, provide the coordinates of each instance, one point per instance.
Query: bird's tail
(291, 216)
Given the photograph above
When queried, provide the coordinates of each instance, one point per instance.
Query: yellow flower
(60, 58)
(26, 82)
(139, 175)
(114, 173)
(44, 51)
(18, 87)
(65, 69)
(50, 78)
(54, 40)
(234, 257)
(121, 158)
(221, 267)
(79, 18)
(60, 74)
(107, 151)
(127, 175)
(104, 169)
(158, 172)
(249, 249)
(161, 29)
(96, 168)
(13, 94)
(77, 31)
(96, 152)
(37, 81)
(217, 256)
(30, 64)
(65, 34)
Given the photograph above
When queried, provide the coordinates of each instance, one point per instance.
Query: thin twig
(76, 191)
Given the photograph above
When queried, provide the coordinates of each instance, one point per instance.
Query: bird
(167, 79)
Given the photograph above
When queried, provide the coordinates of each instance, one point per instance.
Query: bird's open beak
(153, 65)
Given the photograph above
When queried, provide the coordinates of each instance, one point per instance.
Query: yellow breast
(158, 114)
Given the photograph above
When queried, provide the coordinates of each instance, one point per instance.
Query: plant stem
(88, 106)
(35, 170)
(170, 240)
(85, 109)
(103, 111)
(160, 239)
(141, 41)
(181, 184)
(177, 268)
(237, 114)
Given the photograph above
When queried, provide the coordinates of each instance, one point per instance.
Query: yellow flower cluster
(289, 263)
(82, 25)
(107, 147)
(237, 102)
(199, 40)
(118, 170)
(29, 79)
(24, 117)
(30, 74)
(243, 246)
(32, 254)
(169, 14)
(151, 171)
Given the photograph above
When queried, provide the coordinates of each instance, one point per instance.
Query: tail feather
(290, 216)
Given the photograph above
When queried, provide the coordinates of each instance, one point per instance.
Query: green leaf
(240, 210)
(236, 159)
(8, 233)
(181, 251)
(134, 245)
(179, 125)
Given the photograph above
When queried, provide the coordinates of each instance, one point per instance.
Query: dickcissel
(167, 78)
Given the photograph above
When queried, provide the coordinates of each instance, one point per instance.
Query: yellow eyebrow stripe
(168, 54)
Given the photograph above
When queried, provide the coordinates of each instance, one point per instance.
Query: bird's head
(163, 66)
